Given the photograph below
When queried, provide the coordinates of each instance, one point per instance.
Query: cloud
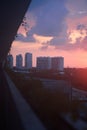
(72, 41)
(56, 41)
(77, 7)
(44, 47)
(42, 39)
(79, 44)
(35, 4)
(81, 27)
(51, 23)
(44, 18)
(83, 44)
(25, 38)
(50, 16)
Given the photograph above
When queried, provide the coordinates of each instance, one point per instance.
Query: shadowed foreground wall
(11, 15)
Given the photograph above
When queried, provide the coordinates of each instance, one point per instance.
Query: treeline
(49, 74)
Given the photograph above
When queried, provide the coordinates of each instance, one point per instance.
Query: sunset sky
(55, 28)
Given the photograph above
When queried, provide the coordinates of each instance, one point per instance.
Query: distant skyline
(55, 28)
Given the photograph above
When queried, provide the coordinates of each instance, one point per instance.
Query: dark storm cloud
(23, 38)
(58, 41)
(37, 3)
(79, 6)
(50, 15)
(79, 44)
(81, 27)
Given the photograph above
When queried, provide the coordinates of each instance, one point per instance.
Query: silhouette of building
(43, 63)
(10, 61)
(57, 63)
(19, 61)
(28, 60)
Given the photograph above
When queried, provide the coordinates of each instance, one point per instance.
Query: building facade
(43, 63)
(19, 61)
(10, 61)
(57, 63)
(28, 60)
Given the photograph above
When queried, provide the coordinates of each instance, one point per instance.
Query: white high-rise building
(10, 61)
(43, 63)
(57, 63)
(19, 61)
(28, 60)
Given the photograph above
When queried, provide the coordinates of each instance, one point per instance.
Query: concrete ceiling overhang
(11, 16)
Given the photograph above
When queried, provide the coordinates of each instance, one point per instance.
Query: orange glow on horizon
(72, 58)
